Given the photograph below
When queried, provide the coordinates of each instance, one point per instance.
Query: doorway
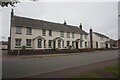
(96, 44)
(76, 45)
(54, 43)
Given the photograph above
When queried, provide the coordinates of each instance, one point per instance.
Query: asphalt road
(27, 67)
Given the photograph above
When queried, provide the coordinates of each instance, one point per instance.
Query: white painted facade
(37, 34)
(98, 41)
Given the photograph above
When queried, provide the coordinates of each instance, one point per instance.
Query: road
(33, 66)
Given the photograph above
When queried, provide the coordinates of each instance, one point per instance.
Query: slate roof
(102, 35)
(40, 24)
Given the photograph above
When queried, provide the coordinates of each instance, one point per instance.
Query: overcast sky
(102, 17)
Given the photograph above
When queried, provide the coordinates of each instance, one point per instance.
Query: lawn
(111, 69)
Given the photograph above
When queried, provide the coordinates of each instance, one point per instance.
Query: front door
(96, 44)
(54, 45)
(76, 45)
(106, 45)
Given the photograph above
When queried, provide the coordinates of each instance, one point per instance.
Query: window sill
(18, 33)
(28, 34)
(17, 47)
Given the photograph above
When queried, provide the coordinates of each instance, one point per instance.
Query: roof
(102, 35)
(40, 24)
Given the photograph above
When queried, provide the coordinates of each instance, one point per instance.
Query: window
(50, 32)
(44, 32)
(63, 44)
(44, 43)
(29, 30)
(17, 42)
(28, 42)
(72, 34)
(68, 43)
(73, 43)
(81, 44)
(39, 43)
(62, 33)
(81, 36)
(68, 34)
(50, 43)
(59, 43)
(18, 29)
(85, 36)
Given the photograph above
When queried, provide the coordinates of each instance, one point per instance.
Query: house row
(34, 34)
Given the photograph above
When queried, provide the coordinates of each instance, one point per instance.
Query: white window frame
(28, 44)
(28, 30)
(18, 42)
(18, 30)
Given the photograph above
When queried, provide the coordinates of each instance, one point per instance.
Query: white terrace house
(39, 34)
(99, 40)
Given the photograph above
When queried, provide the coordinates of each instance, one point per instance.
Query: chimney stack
(65, 22)
(12, 13)
(91, 38)
(80, 26)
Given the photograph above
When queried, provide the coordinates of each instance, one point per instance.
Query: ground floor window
(17, 42)
(63, 44)
(85, 44)
(28, 42)
(39, 43)
(50, 43)
(68, 43)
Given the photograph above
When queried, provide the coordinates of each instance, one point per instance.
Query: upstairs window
(85, 36)
(28, 42)
(17, 42)
(72, 34)
(81, 36)
(61, 33)
(44, 32)
(68, 34)
(18, 29)
(50, 32)
(29, 30)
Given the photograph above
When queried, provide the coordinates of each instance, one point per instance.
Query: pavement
(23, 66)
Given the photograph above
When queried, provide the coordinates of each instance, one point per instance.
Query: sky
(101, 16)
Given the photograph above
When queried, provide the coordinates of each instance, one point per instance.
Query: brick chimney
(91, 39)
(80, 26)
(12, 13)
(65, 22)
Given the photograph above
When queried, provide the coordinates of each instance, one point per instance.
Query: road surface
(33, 66)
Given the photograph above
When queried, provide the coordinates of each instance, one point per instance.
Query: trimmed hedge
(61, 51)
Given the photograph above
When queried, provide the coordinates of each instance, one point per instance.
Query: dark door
(54, 45)
(96, 44)
(76, 45)
(106, 45)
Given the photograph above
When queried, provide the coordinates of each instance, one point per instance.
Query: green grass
(90, 75)
(112, 69)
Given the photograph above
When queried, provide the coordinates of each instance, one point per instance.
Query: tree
(5, 3)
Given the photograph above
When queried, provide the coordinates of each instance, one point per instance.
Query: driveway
(33, 66)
